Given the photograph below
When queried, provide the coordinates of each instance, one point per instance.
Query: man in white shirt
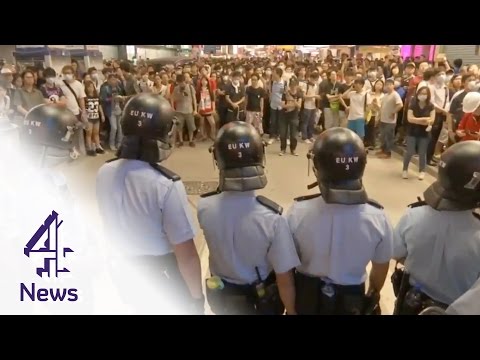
(75, 94)
(310, 107)
(356, 110)
(440, 99)
(391, 105)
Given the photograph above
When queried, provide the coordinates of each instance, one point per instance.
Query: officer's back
(141, 206)
(436, 238)
(351, 237)
(240, 231)
(251, 248)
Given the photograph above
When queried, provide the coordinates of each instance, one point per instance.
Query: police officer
(251, 249)
(468, 303)
(30, 190)
(438, 239)
(338, 232)
(147, 217)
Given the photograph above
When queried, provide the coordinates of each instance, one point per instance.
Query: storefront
(429, 51)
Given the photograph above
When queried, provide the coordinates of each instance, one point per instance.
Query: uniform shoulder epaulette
(270, 204)
(112, 160)
(307, 197)
(476, 213)
(165, 172)
(418, 203)
(211, 193)
(375, 204)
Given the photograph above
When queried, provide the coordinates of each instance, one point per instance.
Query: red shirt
(212, 83)
(412, 86)
(470, 124)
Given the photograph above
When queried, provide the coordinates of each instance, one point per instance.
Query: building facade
(470, 54)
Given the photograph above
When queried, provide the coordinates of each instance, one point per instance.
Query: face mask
(372, 75)
(236, 82)
(225, 78)
(422, 97)
(268, 72)
(448, 77)
(397, 84)
(441, 79)
(68, 77)
(471, 85)
(94, 76)
(50, 81)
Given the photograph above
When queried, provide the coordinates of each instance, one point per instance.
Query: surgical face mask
(448, 77)
(471, 85)
(94, 76)
(236, 82)
(441, 79)
(225, 78)
(396, 84)
(68, 77)
(50, 80)
(268, 72)
(422, 97)
(372, 75)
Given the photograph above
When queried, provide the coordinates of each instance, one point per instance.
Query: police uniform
(145, 210)
(338, 232)
(468, 303)
(439, 238)
(247, 237)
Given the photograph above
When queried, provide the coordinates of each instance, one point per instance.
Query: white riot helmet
(471, 102)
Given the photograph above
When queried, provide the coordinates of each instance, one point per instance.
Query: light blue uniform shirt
(144, 212)
(242, 234)
(337, 241)
(442, 250)
(468, 303)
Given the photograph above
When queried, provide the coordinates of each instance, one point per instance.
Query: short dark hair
(111, 76)
(278, 71)
(68, 68)
(125, 66)
(180, 78)
(107, 70)
(466, 77)
(254, 76)
(458, 62)
(236, 74)
(49, 72)
(91, 69)
(27, 72)
(389, 81)
(360, 81)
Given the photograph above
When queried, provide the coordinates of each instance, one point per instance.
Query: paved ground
(287, 179)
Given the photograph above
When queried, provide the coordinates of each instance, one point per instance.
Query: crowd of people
(390, 101)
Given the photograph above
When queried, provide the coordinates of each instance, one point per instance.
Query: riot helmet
(240, 153)
(457, 186)
(339, 160)
(51, 128)
(147, 125)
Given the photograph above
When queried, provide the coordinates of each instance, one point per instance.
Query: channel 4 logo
(49, 231)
